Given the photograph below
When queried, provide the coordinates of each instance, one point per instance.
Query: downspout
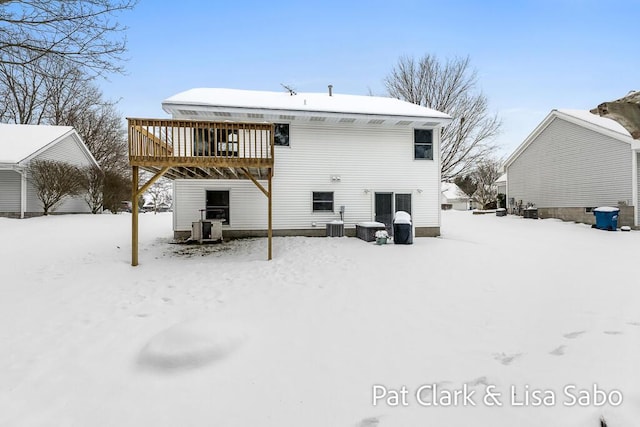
(23, 192)
(634, 185)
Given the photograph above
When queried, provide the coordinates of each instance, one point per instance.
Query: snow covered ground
(218, 336)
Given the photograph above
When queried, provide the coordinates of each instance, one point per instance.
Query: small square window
(218, 206)
(322, 201)
(423, 144)
(281, 134)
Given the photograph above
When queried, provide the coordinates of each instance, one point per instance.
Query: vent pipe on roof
(330, 90)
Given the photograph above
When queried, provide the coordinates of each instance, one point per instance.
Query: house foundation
(585, 216)
(306, 232)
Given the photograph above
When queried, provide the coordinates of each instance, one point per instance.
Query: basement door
(384, 210)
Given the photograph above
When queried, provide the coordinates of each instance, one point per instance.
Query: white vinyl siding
(10, 182)
(375, 159)
(568, 165)
(68, 150)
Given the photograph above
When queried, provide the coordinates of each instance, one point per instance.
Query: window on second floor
(423, 144)
(281, 134)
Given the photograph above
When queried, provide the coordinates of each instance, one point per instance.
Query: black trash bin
(531, 213)
(402, 228)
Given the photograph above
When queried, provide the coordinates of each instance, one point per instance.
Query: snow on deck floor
(217, 335)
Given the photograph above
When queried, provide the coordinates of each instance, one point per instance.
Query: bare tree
(160, 193)
(485, 174)
(449, 87)
(22, 92)
(93, 187)
(117, 188)
(64, 95)
(85, 32)
(466, 184)
(53, 182)
(97, 121)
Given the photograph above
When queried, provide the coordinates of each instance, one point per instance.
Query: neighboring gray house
(573, 162)
(19, 145)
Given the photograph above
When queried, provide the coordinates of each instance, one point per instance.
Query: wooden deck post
(134, 216)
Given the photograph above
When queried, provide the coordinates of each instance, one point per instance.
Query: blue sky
(531, 56)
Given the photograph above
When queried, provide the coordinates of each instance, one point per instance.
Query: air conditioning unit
(335, 229)
(206, 231)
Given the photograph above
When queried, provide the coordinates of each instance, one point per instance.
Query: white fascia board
(236, 111)
(11, 166)
(84, 148)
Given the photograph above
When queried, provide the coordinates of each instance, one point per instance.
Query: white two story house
(335, 157)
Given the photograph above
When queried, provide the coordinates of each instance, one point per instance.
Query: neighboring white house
(359, 158)
(452, 197)
(19, 145)
(573, 162)
(501, 184)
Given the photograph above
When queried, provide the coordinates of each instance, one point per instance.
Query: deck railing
(168, 141)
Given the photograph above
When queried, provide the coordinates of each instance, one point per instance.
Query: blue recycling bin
(606, 218)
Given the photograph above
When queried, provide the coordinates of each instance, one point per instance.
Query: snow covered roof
(18, 142)
(502, 178)
(594, 119)
(282, 102)
(452, 192)
(582, 118)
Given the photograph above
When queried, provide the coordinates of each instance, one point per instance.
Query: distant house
(501, 190)
(19, 145)
(501, 184)
(452, 197)
(573, 162)
(355, 158)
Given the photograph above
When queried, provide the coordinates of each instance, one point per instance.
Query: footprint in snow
(506, 359)
(190, 345)
(369, 422)
(634, 323)
(478, 381)
(572, 335)
(613, 332)
(558, 351)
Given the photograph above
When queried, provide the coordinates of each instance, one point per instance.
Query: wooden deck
(200, 149)
(188, 149)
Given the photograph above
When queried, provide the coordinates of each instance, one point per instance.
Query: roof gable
(587, 118)
(18, 142)
(581, 118)
(452, 192)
